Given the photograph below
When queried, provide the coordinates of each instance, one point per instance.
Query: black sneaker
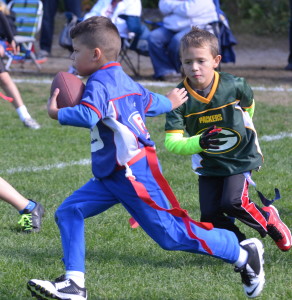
(32, 221)
(252, 273)
(61, 288)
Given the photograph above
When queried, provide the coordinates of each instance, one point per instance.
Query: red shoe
(277, 230)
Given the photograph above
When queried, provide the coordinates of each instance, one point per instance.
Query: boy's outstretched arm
(175, 141)
(52, 105)
(177, 97)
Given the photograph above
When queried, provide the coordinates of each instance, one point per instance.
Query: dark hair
(99, 32)
(198, 38)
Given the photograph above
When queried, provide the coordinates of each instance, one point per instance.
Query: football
(71, 89)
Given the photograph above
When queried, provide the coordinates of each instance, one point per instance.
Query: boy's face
(84, 59)
(198, 65)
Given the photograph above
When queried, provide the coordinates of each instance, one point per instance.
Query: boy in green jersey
(222, 140)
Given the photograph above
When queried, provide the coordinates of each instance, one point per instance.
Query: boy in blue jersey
(126, 170)
(222, 141)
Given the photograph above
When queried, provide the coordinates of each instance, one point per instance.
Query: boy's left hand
(52, 105)
(177, 97)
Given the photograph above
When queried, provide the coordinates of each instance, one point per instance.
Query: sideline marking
(62, 165)
(85, 162)
(157, 84)
(270, 138)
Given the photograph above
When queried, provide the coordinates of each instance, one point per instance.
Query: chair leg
(8, 63)
(33, 57)
(124, 57)
(138, 63)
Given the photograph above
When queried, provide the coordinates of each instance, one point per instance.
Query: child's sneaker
(32, 221)
(277, 229)
(61, 288)
(252, 273)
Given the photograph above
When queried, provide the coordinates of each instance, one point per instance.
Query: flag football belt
(9, 99)
(265, 201)
(176, 210)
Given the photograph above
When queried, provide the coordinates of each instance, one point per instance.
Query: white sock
(242, 259)
(22, 112)
(77, 277)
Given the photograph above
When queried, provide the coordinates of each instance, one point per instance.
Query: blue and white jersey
(114, 107)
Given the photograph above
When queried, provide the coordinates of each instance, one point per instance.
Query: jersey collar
(199, 97)
(110, 64)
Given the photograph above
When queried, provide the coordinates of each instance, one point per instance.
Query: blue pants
(164, 50)
(168, 231)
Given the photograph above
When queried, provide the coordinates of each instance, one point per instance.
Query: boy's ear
(96, 54)
(217, 60)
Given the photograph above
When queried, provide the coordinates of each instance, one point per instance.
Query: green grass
(124, 263)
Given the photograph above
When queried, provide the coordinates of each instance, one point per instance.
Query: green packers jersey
(224, 107)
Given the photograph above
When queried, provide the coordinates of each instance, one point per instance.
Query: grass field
(124, 263)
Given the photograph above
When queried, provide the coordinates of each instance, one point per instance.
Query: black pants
(290, 34)
(224, 198)
(50, 9)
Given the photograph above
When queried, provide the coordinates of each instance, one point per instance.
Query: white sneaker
(61, 288)
(252, 273)
(31, 123)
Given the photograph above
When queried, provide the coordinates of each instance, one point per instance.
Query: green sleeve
(176, 143)
(244, 92)
(245, 95)
(250, 109)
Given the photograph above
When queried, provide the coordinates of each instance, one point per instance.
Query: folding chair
(126, 42)
(142, 49)
(28, 15)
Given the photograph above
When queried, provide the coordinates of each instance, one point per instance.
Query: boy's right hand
(52, 105)
(177, 97)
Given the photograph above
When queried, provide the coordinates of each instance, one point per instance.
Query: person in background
(7, 31)
(31, 211)
(47, 30)
(163, 42)
(125, 14)
(289, 65)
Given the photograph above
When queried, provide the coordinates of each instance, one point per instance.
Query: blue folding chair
(28, 19)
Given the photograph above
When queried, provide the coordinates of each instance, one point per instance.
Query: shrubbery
(258, 16)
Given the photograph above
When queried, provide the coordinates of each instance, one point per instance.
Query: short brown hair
(99, 32)
(198, 38)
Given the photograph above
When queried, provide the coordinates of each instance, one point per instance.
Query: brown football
(71, 89)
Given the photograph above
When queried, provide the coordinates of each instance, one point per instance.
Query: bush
(150, 3)
(258, 16)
